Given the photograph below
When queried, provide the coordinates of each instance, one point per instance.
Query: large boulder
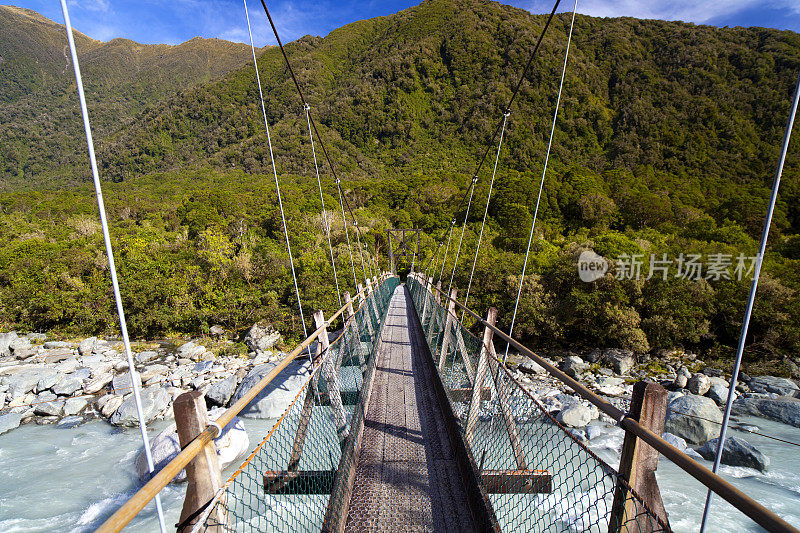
(68, 386)
(776, 385)
(122, 383)
(232, 444)
(87, 345)
(23, 382)
(736, 452)
(9, 422)
(698, 384)
(693, 418)
(784, 409)
(273, 400)
(5, 341)
(154, 401)
(261, 337)
(529, 366)
(221, 391)
(718, 391)
(191, 350)
(572, 365)
(575, 416)
(620, 360)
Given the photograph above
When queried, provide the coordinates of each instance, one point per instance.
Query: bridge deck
(407, 477)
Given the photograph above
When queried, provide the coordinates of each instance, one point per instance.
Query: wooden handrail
(163, 477)
(747, 505)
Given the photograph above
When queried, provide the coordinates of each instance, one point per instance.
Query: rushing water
(71, 479)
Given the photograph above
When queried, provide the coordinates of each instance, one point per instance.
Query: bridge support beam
(202, 473)
(638, 464)
(480, 375)
(448, 324)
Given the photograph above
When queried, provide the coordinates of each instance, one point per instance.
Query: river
(70, 479)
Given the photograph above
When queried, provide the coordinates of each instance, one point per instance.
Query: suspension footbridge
(409, 419)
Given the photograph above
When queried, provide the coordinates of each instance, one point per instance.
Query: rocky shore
(46, 381)
(695, 402)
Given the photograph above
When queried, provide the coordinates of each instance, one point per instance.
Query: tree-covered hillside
(666, 144)
(41, 137)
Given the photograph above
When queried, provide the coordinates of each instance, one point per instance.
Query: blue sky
(176, 21)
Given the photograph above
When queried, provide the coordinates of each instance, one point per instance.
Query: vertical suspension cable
(461, 239)
(360, 251)
(446, 248)
(486, 211)
(326, 225)
(134, 376)
(752, 296)
(275, 173)
(349, 248)
(434, 262)
(541, 182)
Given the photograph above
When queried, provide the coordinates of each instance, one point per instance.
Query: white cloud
(698, 11)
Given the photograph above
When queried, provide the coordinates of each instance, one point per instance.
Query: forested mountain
(666, 144)
(41, 136)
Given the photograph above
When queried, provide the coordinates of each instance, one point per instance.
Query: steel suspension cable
(361, 252)
(347, 235)
(507, 108)
(275, 174)
(486, 211)
(132, 373)
(461, 239)
(752, 296)
(444, 259)
(303, 100)
(325, 223)
(541, 182)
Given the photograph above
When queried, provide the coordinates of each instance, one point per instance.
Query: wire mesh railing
(290, 481)
(536, 474)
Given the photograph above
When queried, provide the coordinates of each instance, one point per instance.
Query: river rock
(261, 337)
(680, 381)
(122, 383)
(48, 380)
(273, 400)
(68, 386)
(776, 385)
(719, 391)
(572, 365)
(783, 409)
(576, 416)
(25, 381)
(146, 356)
(73, 406)
(610, 386)
(620, 360)
(9, 422)
(87, 345)
(18, 345)
(232, 444)
(5, 342)
(221, 391)
(154, 401)
(109, 404)
(216, 331)
(48, 404)
(191, 351)
(154, 371)
(529, 366)
(693, 418)
(737, 452)
(698, 384)
(674, 440)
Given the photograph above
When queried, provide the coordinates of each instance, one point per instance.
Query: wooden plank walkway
(407, 477)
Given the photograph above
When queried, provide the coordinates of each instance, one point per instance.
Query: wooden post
(330, 375)
(451, 315)
(508, 413)
(202, 473)
(480, 374)
(349, 301)
(366, 310)
(639, 462)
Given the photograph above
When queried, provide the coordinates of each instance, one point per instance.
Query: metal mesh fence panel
(291, 481)
(537, 475)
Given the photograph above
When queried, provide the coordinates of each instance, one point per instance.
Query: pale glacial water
(59, 479)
